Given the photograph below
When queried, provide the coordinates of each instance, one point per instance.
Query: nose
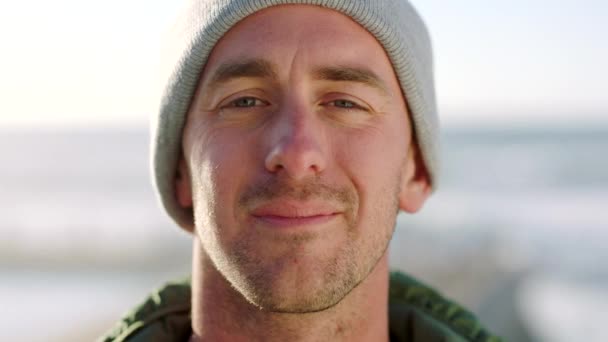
(297, 145)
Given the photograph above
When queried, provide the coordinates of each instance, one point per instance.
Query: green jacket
(416, 313)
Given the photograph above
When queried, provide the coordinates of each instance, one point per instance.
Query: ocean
(517, 231)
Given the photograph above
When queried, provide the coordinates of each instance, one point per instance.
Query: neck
(220, 313)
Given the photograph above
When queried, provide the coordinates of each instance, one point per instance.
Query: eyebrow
(260, 68)
(351, 74)
(252, 68)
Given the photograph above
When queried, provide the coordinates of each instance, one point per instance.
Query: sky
(69, 62)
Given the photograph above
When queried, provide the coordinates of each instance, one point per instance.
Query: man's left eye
(344, 104)
(347, 105)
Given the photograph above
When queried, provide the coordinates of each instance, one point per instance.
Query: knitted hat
(394, 23)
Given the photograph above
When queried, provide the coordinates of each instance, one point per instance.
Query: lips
(288, 213)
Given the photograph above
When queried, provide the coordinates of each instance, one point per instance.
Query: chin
(297, 281)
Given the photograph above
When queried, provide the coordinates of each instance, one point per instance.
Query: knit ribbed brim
(394, 23)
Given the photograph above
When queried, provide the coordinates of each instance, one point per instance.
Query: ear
(415, 183)
(183, 187)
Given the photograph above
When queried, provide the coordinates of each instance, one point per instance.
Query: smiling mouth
(292, 222)
(293, 214)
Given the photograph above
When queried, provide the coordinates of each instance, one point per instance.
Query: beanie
(394, 23)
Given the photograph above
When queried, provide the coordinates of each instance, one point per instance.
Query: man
(289, 137)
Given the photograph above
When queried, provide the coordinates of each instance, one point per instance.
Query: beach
(517, 226)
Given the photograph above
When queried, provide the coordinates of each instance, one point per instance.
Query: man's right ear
(183, 186)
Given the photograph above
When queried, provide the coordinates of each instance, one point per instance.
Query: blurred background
(517, 230)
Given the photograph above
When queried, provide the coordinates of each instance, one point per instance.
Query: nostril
(297, 159)
(296, 144)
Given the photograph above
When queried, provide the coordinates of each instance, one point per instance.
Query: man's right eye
(245, 102)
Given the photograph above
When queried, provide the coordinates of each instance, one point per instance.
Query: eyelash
(348, 104)
(352, 105)
(257, 102)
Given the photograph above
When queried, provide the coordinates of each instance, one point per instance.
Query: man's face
(297, 157)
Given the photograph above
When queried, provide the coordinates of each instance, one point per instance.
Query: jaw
(360, 315)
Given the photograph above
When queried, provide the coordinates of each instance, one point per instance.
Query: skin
(297, 156)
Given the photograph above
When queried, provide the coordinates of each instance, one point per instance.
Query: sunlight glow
(67, 61)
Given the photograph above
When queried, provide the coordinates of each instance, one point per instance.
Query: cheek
(374, 161)
(219, 163)
(374, 155)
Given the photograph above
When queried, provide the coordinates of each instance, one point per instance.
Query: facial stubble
(313, 286)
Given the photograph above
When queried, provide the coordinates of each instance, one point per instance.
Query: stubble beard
(276, 285)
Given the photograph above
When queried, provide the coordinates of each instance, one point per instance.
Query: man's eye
(245, 102)
(344, 104)
(347, 105)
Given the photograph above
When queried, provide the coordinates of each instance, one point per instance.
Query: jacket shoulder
(163, 316)
(419, 313)
(416, 313)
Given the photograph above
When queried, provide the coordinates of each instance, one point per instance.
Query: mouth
(293, 214)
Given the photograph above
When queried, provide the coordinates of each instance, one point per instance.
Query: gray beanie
(394, 23)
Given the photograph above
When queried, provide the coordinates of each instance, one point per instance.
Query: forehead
(304, 34)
